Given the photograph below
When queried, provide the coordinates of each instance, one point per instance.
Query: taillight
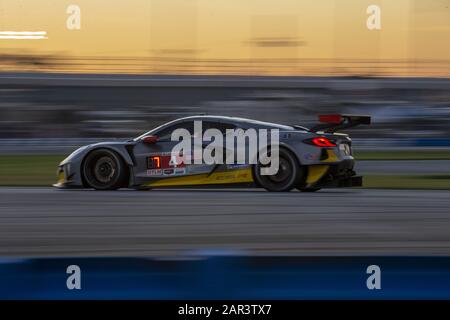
(320, 142)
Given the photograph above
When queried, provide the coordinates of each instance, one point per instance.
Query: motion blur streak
(49, 222)
(124, 106)
(23, 37)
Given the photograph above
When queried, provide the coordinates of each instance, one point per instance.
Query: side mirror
(149, 139)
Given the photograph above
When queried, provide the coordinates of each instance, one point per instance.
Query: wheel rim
(104, 169)
(285, 179)
(284, 171)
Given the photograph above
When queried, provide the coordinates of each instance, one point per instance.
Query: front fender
(71, 166)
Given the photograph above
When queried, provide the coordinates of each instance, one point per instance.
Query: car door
(155, 161)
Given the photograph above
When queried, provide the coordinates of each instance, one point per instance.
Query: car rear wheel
(288, 176)
(103, 169)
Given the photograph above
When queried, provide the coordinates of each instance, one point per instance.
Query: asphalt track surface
(51, 222)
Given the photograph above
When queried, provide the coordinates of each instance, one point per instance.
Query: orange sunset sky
(234, 36)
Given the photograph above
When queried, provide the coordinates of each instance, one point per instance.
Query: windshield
(151, 132)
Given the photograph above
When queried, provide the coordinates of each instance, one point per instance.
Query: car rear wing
(333, 122)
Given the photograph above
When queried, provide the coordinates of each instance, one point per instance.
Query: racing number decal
(154, 162)
(165, 162)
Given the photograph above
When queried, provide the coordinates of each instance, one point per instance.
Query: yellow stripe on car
(315, 173)
(61, 177)
(332, 157)
(234, 176)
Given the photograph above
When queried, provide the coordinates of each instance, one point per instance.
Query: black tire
(104, 169)
(288, 176)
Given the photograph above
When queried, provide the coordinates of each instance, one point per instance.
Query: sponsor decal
(232, 176)
(311, 156)
(174, 171)
(179, 171)
(237, 166)
(154, 172)
(168, 172)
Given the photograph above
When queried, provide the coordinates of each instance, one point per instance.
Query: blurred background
(93, 70)
(107, 70)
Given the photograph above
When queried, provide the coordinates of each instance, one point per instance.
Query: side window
(166, 133)
(218, 125)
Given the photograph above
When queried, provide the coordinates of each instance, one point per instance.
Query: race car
(308, 159)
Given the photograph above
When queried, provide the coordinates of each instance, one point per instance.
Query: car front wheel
(103, 169)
